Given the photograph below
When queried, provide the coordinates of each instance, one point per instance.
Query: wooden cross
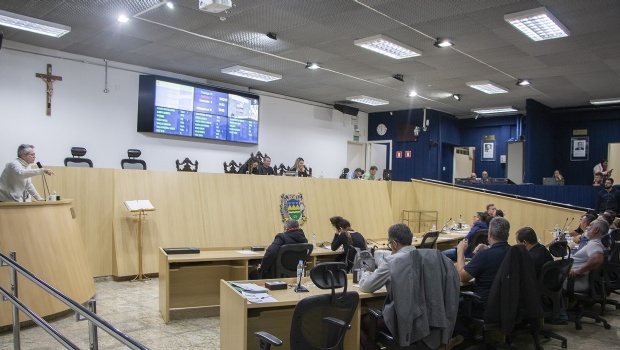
(49, 80)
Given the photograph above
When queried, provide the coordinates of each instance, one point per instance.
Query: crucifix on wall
(49, 80)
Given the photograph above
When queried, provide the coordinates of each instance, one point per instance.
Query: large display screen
(173, 107)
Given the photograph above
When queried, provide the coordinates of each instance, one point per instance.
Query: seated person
(292, 235)
(265, 168)
(485, 263)
(478, 224)
(588, 258)
(557, 175)
(396, 271)
(538, 252)
(370, 175)
(614, 221)
(473, 176)
(577, 234)
(485, 175)
(356, 175)
(598, 179)
(250, 167)
(299, 168)
(347, 238)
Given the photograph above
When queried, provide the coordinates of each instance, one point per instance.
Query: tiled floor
(133, 309)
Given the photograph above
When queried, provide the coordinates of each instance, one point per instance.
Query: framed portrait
(579, 148)
(488, 150)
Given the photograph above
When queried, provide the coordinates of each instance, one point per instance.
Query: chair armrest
(375, 313)
(468, 298)
(266, 337)
(336, 322)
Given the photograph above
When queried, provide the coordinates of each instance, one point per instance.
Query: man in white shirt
(15, 183)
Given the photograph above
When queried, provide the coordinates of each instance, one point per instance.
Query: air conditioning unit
(214, 6)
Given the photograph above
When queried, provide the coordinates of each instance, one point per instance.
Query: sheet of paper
(247, 252)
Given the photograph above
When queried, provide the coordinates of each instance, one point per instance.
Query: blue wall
(427, 161)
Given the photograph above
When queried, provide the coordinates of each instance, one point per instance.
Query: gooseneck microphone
(446, 224)
(44, 183)
(564, 227)
(567, 226)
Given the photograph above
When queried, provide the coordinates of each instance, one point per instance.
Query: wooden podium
(140, 207)
(46, 239)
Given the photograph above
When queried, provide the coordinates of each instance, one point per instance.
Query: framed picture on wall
(488, 150)
(579, 148)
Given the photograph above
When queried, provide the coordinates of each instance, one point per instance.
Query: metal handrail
(75, 306)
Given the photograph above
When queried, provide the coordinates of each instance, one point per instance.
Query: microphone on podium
(44, 183)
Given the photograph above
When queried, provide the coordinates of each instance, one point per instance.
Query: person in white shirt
(15, 182)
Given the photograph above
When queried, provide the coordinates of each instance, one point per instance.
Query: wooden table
(239, 318)
(192, 280)
(444, 241)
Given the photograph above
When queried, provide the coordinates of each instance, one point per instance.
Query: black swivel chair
(550, 284)
(344, 174)
(480, 237)
(503, 317)
(428, 240)
(76, 160)
(131, 162)
(288, 258)
(320, 321)
(595, 295)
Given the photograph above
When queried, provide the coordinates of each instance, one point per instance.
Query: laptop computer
(551, 181)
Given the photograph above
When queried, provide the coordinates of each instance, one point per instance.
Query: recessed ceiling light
(538, 24)
(605, 101)
(387, 46)
(368, 100)
(488, 87)
(251, 73)
(523, 82)
(33, 25)
(312, 65)
(457, 97)
(123, 19)
(494, 110)
(441, 43)
(170, 4)
(412, 93)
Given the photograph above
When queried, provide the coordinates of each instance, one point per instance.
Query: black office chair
(428, 240)
(76, 160)
(480, 237)
(499, 316)
(550, 284)
(344, 174)
(131, 162)
(320, 321)
(288, 258)
(595, 295)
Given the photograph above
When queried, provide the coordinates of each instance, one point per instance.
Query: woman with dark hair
(602, 168)
(250, 167)
(348, 238)
(557, 175)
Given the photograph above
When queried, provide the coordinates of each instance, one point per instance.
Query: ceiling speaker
(346, 109)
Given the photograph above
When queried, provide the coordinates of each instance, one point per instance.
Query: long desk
(191, 280)
(444, 241)
(239, 319)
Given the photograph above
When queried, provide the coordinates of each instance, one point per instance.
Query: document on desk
(247, 252)
(249, 288)
(258, 297)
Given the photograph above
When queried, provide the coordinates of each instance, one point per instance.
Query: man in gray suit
(427, 308)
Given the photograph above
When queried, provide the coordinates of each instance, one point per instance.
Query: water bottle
(300, 270)
(434, 227)
(460, 222)
(314, 239)
(556, 231)
(321, 175)
(453, 225)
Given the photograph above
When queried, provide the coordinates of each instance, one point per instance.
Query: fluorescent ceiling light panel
(494, 110)
(386, 46)
(250, 73)
(538, 24)
(488, 87)
(605, 101)
(367, 100)
(34, 25)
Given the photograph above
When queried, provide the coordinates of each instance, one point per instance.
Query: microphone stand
(44, 183)
(446, 226)
(299, 288)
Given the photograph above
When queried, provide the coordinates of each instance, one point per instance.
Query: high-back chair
(131, 162)
(428, 240)
(76, 160)
(288, 258)
(187, 165)
(320, 321)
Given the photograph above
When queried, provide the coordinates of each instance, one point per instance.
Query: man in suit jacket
(538, 252)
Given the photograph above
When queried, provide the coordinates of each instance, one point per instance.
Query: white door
(514, 161)
(356, 155)
(378, 156)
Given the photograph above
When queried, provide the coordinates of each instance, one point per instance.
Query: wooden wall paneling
(176, 222)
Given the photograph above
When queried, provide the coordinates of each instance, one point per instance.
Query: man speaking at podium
(15, 182)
